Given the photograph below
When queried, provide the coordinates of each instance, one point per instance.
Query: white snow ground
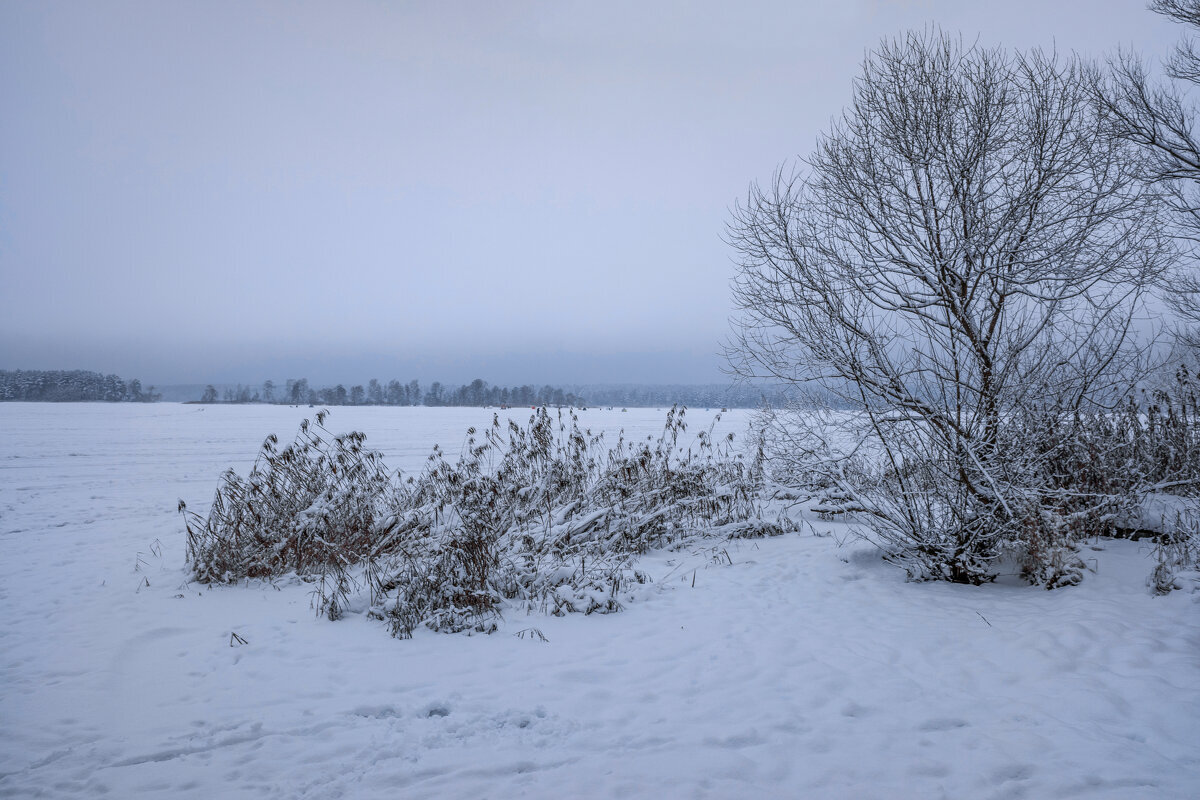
(801, 669)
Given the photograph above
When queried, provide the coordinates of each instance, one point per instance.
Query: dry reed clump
(1055, 477)
(541, 516)
(315, 502)
(1096, 471)
(1177, 555)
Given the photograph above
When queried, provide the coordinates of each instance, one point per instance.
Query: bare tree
(1160, 118)
(961, 248)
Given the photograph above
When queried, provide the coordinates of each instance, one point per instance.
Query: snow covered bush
(1060, 476)
(1177, 556)
(306, 508)
(541, 516)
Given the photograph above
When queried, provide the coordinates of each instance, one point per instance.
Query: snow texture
(787, 667)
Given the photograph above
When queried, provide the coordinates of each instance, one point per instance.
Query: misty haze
(561, 399)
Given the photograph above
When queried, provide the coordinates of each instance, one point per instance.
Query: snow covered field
(790, 667)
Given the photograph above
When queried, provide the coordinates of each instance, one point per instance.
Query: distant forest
(65, 386)
(479, 393)
(297, 391)
(711, 395)
(71, 386)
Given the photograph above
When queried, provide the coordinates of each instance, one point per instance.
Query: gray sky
(524, 192)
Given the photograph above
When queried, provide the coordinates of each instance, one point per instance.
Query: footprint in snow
(1013, 772)
(942, 724)
(854, 710)
(375, 712)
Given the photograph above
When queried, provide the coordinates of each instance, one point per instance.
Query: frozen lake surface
(793, 667)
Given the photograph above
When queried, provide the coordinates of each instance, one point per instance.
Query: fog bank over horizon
(526, 193)
(557, 368)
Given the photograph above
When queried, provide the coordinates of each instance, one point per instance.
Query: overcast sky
(524, 192)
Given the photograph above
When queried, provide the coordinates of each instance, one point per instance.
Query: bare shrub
(959, 263)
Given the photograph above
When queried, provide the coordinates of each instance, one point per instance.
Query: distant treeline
(71, 386)
(297, 391)
(478, 392)
(714, 395)
(81, 385)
